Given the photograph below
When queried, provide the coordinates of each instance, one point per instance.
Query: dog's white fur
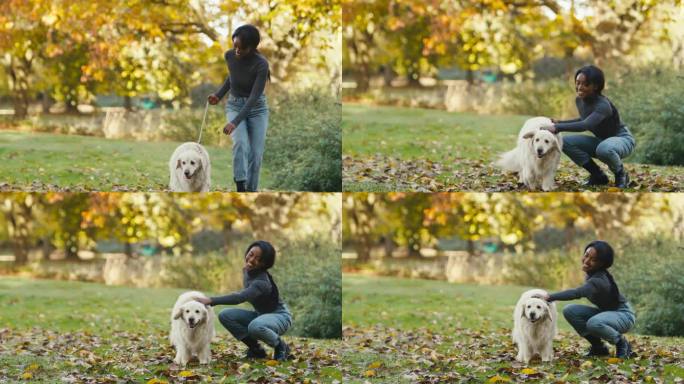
(536, 157)
(192, 328)
(190, 169)
(534, 326)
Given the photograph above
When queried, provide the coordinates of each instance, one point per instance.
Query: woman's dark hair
(249, 36)
(268, 253)
(594, 76)
(605, 254)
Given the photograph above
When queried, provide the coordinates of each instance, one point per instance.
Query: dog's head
(535, 309)
(189, 163)
(543, 142)
(193, 313)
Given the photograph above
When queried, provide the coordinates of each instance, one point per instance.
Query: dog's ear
(528, 135)
(557, 141)
(178, 164)
(522, 313)
(178, 313)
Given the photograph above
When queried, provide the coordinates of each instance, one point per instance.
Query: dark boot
(281, 352)
(596, 175)
(597, 347)
(622, 348)
(240, 186)
(255, 350)
(621, 178)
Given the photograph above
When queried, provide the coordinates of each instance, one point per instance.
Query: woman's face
(582, 86)
(253, 258)
(590, 261)
(240, 49)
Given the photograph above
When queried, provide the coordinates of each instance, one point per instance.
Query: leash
(204, 119)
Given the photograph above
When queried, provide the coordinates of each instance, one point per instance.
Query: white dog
(534, 326)
(536, 157)
(192, 328)
(190, 169)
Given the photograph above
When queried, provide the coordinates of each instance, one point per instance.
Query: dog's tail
(509, 161)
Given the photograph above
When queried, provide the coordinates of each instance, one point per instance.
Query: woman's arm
(257, 90)
(568, 121)
(254, 290)
(600, 113)
(224, 88)
(585, 290)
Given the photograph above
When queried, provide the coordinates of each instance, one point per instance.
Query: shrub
(651, 276)
(554, 269)
(304, 147)
(650, 104)
(539, 98)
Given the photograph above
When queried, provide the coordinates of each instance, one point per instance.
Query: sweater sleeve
(226, 84)
(585, 290)
(224, 88)
(257, 90)
(253, 291)
(589, 123)
(568, 121)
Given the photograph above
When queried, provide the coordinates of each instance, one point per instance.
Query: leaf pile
(82, 357)
(470, 356)
(386, 173)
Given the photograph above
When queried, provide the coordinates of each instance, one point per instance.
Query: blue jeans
(249, 138)
(266, 327)
(581, 148)
(607, 325)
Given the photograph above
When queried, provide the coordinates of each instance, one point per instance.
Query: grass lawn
(433, 331)
(57, 331)
(45, 161)
(414, 149)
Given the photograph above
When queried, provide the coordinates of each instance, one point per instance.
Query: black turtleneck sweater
(597, 115)
(596, 289)
(246, 78)
(258, 291)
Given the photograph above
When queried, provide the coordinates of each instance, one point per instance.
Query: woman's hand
(203, 300)
(213, 99)
(550, 128)
(543, 296)
(229, 128)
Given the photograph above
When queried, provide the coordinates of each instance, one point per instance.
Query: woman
(612, 315)
(246, 110)
(612, 140)
(271, 317)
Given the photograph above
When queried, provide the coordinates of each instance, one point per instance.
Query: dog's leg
(205, 355)
(548, 184)
(547, 353)
(180, 358)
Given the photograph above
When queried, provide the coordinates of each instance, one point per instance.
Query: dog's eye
(187, 311)
(183, 162)
(546, 141)
(196, 311)
(536, 139)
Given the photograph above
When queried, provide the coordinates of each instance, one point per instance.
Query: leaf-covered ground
(55, 331)
(413, 149)
(420, 331)
(44, 161)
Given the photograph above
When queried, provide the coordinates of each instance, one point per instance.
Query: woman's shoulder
(261, 60)
(229, 54)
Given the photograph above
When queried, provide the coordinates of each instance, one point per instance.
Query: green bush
(304, 145)
(650, 104)
(553, 269)
(551, 98)
(651, 276)
(308, 275)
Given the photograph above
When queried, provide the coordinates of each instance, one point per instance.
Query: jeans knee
(226, 316)
(594, 326)
(605, 152)
(569, 311)
(255, 329)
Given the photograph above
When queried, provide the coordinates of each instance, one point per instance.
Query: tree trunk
(128, 103)
(362, 251)
(471, 247)
(18, 70)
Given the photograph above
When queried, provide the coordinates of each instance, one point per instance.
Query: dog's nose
(540, 151)
(187, 173)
